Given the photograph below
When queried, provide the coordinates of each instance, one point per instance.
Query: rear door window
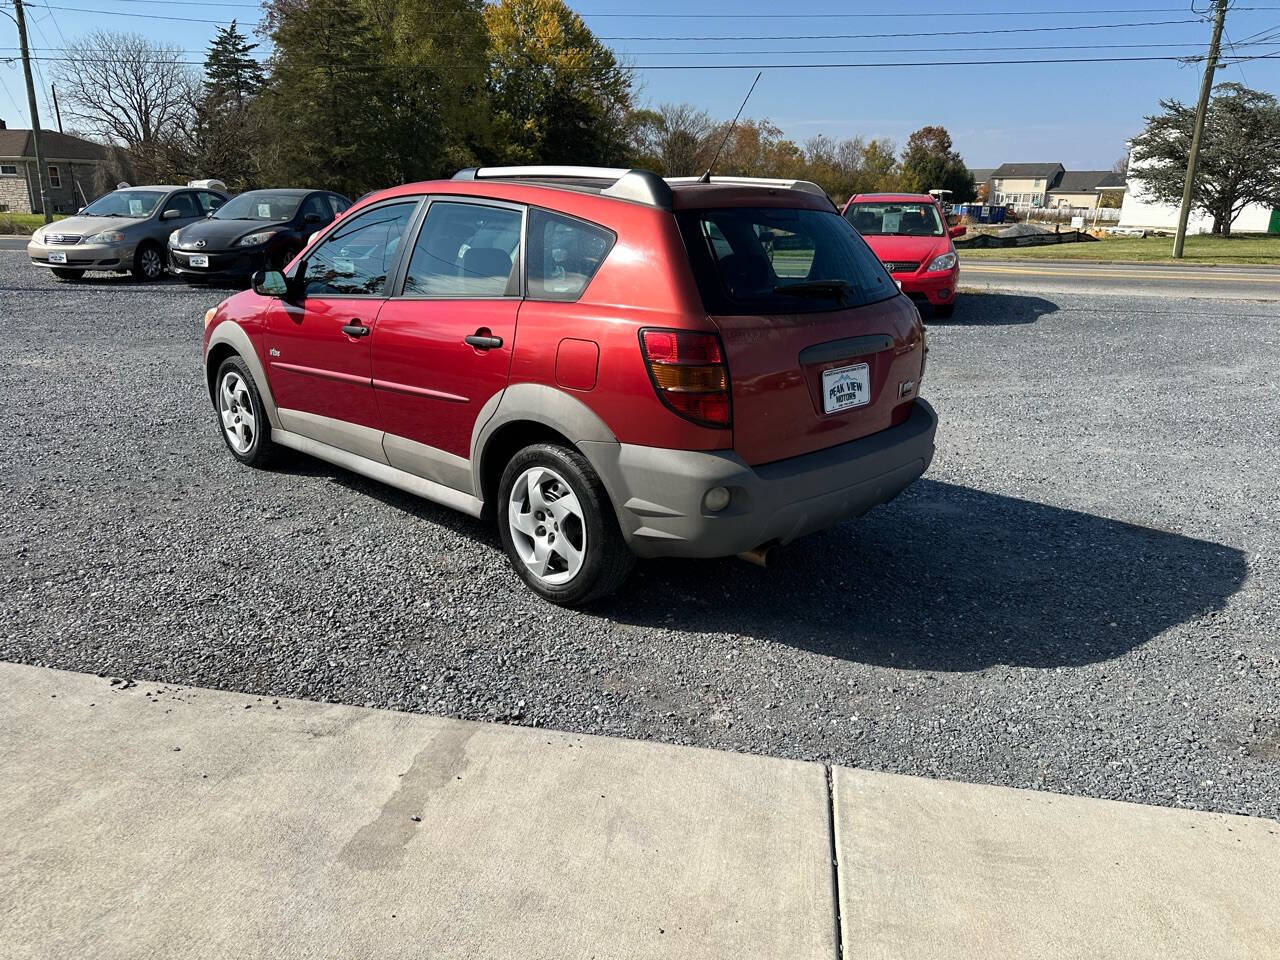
(466, 250)
(564, 254)
(777, 260)
(357, 256)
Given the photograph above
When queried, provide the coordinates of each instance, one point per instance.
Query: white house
(1140, 212)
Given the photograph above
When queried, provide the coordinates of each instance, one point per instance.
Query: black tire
(63, 273)
(607, 559)
(148, 262)
(261, 451)
(944, 311)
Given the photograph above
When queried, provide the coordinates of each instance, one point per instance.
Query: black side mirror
(270, 283)
(312, 218)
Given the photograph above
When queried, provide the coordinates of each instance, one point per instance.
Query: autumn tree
(1237, 160)
(558, 94)
(673, 140)
(930, 163)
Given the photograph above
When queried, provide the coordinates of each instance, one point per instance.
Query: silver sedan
(124, 231)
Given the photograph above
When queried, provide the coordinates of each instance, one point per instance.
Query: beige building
(72, 163)
(1023, 185)
(1084, 190)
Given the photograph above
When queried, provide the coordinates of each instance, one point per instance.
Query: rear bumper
(936, 288)
(657, 493)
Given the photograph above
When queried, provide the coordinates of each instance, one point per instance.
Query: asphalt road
(1080, 596)
(1194, 281)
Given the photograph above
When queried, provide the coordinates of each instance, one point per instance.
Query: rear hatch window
(817, 340)
(778, 260)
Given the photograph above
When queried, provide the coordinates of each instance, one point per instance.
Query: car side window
(466, 250)
(314, 206)
(183, 203)
(338, 203)
(209, 202)
(355, 258)
(564, 255)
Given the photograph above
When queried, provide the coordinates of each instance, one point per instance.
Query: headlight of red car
(945, 261)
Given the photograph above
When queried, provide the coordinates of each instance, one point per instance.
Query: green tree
(232, 75)
(557, 93)
(1237, 161)
(435, 108)
(226, 132)
(324, 102)
(930, 163)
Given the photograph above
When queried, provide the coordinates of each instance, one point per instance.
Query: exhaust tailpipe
(760, 556)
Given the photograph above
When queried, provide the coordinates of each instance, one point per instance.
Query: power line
(723, 66)
(821, 36)
(772, 16)
(824, 51)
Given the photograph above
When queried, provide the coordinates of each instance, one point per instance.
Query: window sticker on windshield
(135, 208)
(264, 211)
(892, 221)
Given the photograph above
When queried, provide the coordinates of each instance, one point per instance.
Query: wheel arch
(230, 339)
(528, 413)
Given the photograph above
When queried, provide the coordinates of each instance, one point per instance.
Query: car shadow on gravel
(995, 309)
(949, 578)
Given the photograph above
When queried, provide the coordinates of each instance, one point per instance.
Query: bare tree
(676, 138)
(127, 90)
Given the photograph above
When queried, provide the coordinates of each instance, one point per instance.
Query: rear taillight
(689, 374)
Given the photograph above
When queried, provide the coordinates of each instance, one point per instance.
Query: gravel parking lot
(1082, 596)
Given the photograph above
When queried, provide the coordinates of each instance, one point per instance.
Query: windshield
(769, 260)
(259, 205)
(125, 203)
(895, 219)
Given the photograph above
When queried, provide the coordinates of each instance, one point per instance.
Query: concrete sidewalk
(159, 821)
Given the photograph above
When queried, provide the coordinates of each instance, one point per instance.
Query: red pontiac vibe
(608, 363)
(909, 233)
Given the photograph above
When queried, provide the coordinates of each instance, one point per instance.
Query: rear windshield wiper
(817, 288)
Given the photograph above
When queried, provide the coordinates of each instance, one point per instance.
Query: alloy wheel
(152, 265)
(547, 526)
(239, 420)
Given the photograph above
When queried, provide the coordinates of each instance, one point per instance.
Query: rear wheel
(148, 262)
(241, 415)
(558, 526)
(943, 311)
(62, 273)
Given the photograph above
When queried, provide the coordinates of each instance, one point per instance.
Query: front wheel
(241, 414)
(62, 273)
(148, 262)
(558, 527)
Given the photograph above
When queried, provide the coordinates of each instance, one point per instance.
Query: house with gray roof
(72, 163)
(1027, 186)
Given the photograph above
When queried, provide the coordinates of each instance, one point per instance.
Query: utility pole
(1206, 87)
(56, 112)
(43, 171)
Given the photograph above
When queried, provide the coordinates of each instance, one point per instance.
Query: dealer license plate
(57, 258)
(846, 387)
(199, 260)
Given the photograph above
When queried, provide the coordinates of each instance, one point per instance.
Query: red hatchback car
(611, 364)
(909, 233)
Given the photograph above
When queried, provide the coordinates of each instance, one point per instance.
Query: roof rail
(805, 186)
(640, 186)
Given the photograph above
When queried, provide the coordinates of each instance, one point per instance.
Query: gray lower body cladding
(658, 493)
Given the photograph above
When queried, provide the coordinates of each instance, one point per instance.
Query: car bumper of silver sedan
(81, 256)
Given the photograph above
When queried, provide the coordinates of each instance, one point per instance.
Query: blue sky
(1078, 114)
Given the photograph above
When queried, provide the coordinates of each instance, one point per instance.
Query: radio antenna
(706, 177)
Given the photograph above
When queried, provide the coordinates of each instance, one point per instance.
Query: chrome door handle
(354, 329)
(482, 342)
